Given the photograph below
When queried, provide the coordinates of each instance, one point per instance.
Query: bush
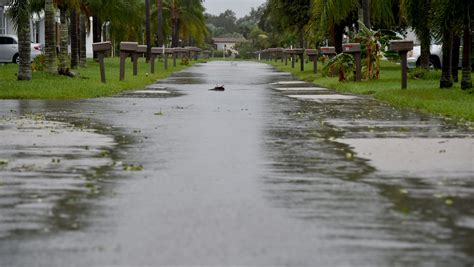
(38, 63)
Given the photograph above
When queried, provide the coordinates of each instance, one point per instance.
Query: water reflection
(50, 170)
(315, 176)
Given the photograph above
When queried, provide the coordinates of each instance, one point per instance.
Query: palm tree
(20, 13)
(366, 13)
(466, 82)
(187, 15)
(159, 36)
(63, 67)
(74, 17)
(147, 30)
(50, 37)
(84, 24)
(418, 13)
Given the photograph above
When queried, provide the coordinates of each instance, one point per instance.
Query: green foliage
(38, 63)
(342, 64)
(246, 50)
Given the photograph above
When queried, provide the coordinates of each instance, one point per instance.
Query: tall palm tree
(63, 67)
(466, 82)
(20, 13)
(84, 24)
(366, 13)
(418, 14)
(159, 36)
(186, 15)
(50, 37)
(147, 30)
(74, 30)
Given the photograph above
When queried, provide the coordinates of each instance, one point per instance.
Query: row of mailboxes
(134, 50)
(400, 46)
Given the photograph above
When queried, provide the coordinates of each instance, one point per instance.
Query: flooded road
(270, 172)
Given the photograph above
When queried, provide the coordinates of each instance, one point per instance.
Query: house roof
(228, 40)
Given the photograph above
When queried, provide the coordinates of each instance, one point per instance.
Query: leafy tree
(20, 13)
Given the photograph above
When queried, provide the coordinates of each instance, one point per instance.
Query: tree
(466, 82)
(147, 30)
(418, 14)
(187, 20)
(160, 37)
(20, 13)
(50, 37)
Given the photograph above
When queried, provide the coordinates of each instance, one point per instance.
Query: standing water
(271, 171)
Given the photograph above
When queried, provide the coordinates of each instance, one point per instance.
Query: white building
(37, 27)
(222, 43)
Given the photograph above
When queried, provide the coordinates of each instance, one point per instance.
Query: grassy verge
(422, 94)
(87, 83)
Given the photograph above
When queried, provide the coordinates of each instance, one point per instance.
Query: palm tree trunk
(147, 30)
(466, 82)
(425, 40)
(446, 75)
(366, 13)
(63, 44)
(50, 37)
(160, 23)
(24, 47)
(97, 31)
(82, 40)
(74, 38)
(455, 58)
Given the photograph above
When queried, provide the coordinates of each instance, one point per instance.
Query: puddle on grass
(47, 170)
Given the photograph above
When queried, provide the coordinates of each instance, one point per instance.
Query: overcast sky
(240, 7)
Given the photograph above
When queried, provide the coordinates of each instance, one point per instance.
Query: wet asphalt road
(248, 176)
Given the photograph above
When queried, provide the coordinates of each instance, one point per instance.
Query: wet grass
(422, 94)
(86, 84)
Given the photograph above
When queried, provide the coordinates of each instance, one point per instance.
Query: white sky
(240, 7)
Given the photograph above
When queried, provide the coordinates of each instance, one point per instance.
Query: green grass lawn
(86, 84)
(422, 94)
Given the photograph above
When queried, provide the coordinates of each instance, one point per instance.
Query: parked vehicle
(436, 56)
(9, 49)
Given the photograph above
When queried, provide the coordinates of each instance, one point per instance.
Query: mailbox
(351, 48)
(156, 50)
(141, 49)
(401, 45)
(102, 47)
(328, 50)
(128, 46)
(296, 52)
(313, 56)
(311, 52)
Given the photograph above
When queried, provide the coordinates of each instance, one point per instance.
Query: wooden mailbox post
(128, 49)
(402, 47)
(296, 52)
(329, 51)
(355, 50)
(101, 49)
(155, 52)
(168, 51)
(179, 51)
(313, 56)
